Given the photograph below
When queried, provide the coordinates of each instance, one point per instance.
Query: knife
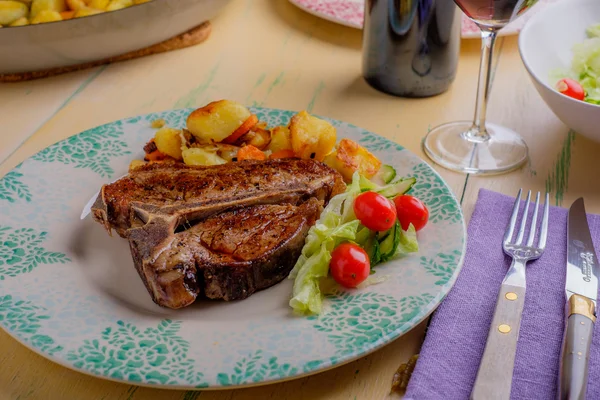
(581, 292)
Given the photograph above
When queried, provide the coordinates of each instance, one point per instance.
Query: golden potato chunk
(227, 152)
(38, 6)
(281, 139)
(199, 156)
(20, 22)
(217, 120)
(98, 4)
(168, 141)
(76, 5)
(118, 4)
(350, 157)
(258, 137)
(46, 16)
(11, 11)
(86, 12)
(135, 164)
(311, 137)
(158, 123)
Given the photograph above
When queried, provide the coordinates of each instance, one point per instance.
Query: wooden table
(271, 54)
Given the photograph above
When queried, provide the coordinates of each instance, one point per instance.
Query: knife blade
(581, 291)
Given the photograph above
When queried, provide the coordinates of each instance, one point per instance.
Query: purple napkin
(454, 344)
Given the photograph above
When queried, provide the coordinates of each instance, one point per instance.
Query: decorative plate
(351, 13)
(70, 292)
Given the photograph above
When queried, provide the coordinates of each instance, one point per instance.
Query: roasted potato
(20, 22)
(311, 137)
(46, 16)
(11, 11)
(158, 123)
(98, 4)
(217, 120)
(86, 12)
(38, 6)
(117, 4)
(227, 152)
(259, 137)
(349, 157)
(168, 141)
(65, 15)
(200, 156)
(135, 164)
(281, 139)
(76, 5)
(25, 12)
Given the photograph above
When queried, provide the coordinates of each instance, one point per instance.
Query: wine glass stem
(478, 133)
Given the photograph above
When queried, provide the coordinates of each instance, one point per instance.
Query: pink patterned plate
(351, 12)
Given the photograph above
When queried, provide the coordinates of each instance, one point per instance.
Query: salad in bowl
(582, 80)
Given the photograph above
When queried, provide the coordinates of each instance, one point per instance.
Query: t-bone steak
(220, 232)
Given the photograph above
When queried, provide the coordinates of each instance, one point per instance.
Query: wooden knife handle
(576, 348)
(494, 378)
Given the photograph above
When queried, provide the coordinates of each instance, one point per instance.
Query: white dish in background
(546, 44)
(71, 293)
(81, 40)
(351, 12)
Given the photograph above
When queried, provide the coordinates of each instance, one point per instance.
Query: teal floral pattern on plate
(358, 320)
(153, 356)
(12, 188)
(23, 319)
(255, 368)
(442, 266)
(435, 193)
(376, 143)
(21, 251)
(70, 291)
(91, 149)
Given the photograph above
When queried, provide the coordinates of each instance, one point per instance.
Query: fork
(494, 378)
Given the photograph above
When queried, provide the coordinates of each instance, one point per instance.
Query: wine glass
(478, 147)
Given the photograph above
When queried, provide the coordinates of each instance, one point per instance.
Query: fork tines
(518, 241)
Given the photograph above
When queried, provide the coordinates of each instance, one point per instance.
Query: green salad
(582, 81)
(368, 224)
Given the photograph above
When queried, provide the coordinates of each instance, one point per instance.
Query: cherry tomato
(375, 211)
(571, 88)
(411, 210)
(349, 265)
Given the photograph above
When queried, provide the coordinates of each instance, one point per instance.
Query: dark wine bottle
(411, 47)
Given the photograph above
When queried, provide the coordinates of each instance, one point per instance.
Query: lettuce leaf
(408, 242)
(593, 31)
(338, 224)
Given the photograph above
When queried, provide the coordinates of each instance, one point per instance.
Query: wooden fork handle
(494, 378)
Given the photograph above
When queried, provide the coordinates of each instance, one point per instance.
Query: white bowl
(80, 40)
(546, 43)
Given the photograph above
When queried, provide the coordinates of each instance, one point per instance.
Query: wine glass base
(448, 146)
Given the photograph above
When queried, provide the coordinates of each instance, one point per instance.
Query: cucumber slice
(390, 190)
(388, 246)
(386, 174)
(373, 250)
(397, 188)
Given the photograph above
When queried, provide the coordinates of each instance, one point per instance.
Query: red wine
(411, 47)
(494, 13)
